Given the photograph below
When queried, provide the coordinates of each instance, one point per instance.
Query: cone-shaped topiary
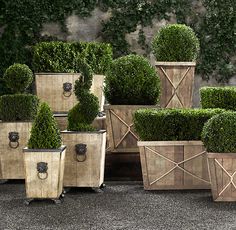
(44, 133)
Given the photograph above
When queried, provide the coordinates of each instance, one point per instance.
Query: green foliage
(44, 133)
(18, 77)
(218, 97)
(219, 133)
(171, 124)
(175, 43)
(62, 57)
(131, 80)
(18, 107)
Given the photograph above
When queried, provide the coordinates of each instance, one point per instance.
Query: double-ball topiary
(131, 80)
(175, 43)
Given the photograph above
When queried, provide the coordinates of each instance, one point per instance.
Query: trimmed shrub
(175, 43)
(131, 80)
(61, 57)
(18, 107)
(18, 77)
(218, 97)
(44, 133)
(172, 124)
(219, 133)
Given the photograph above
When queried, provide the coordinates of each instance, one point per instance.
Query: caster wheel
(63, 195)
(102, 186)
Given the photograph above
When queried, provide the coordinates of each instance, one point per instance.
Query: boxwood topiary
(172, 124)
(131, 80)
(18, 77)
(218, 97)
(219, 133)
(175, 43)
(44, 133)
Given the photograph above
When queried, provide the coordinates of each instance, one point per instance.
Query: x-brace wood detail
(176, 165)
(128, 129)
(231, 177)
(175, 87)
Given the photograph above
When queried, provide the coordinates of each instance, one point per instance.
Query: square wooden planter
(44, 172)
(177, 82)
(171, 165)
(57, 90)
(85, 158)
(119, 121)
(13, 138)
(222, 168)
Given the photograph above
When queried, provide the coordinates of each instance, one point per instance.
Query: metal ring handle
(67, 88)
(12, 146)
(80, 150)
(42, 178)
(83, 159)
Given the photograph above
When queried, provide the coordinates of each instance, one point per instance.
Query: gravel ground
(120, 206)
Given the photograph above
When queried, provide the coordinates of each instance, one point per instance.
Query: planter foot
(97, 190)
(57, 201)
(28, 201)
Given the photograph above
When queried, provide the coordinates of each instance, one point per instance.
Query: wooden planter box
(84, 165)
(170, 165)
(177, 82)
(11, 154)
(49, 88)
(222, 168)
(40, 183)
(119, 122)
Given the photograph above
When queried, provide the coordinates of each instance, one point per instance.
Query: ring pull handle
(13, 139)
(67, 89)
(42, 168)
(81, 150)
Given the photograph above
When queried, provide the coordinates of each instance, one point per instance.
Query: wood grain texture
(49, 88)
(119, 121)
(177, 80)
(89, 173)
(51, 187)
(12, 160)
(177, 165)
(222, 167)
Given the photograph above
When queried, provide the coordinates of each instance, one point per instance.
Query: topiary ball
(175, 43)
(18, 77)
(219, 133)
(131, 80)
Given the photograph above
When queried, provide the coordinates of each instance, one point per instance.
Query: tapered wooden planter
(57, 90)
(222, 168)
(85, 158)
(177, 82)
(119, 121)
(44, 172)
(170, 165)
(13, 138)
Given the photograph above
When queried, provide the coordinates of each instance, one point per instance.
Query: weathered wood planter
(44, 172)
(119, 122)
(170, 165)
(85, 158)
(222, 168)
(177, 82)
(13, 138)
(57, 90)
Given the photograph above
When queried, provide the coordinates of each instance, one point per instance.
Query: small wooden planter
(222, 168)
(85, 158)
(57, 90)
(13, 138)
(119, 122)
(177, 82)
(44, 172)
(171, 165)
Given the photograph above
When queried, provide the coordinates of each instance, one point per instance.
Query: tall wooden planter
(177, 82)
(171, 165)
(85, 158)
(57, 90)
(222, 168)
(44, 172)
(13, 138)
(119, 121)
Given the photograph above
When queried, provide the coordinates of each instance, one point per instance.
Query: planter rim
(84, 132)
(221, 155)
(108, 106)
(16, 121)
(53, 73)
(58, 114)
(167, 143)
(175, 63)
(61, 149)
